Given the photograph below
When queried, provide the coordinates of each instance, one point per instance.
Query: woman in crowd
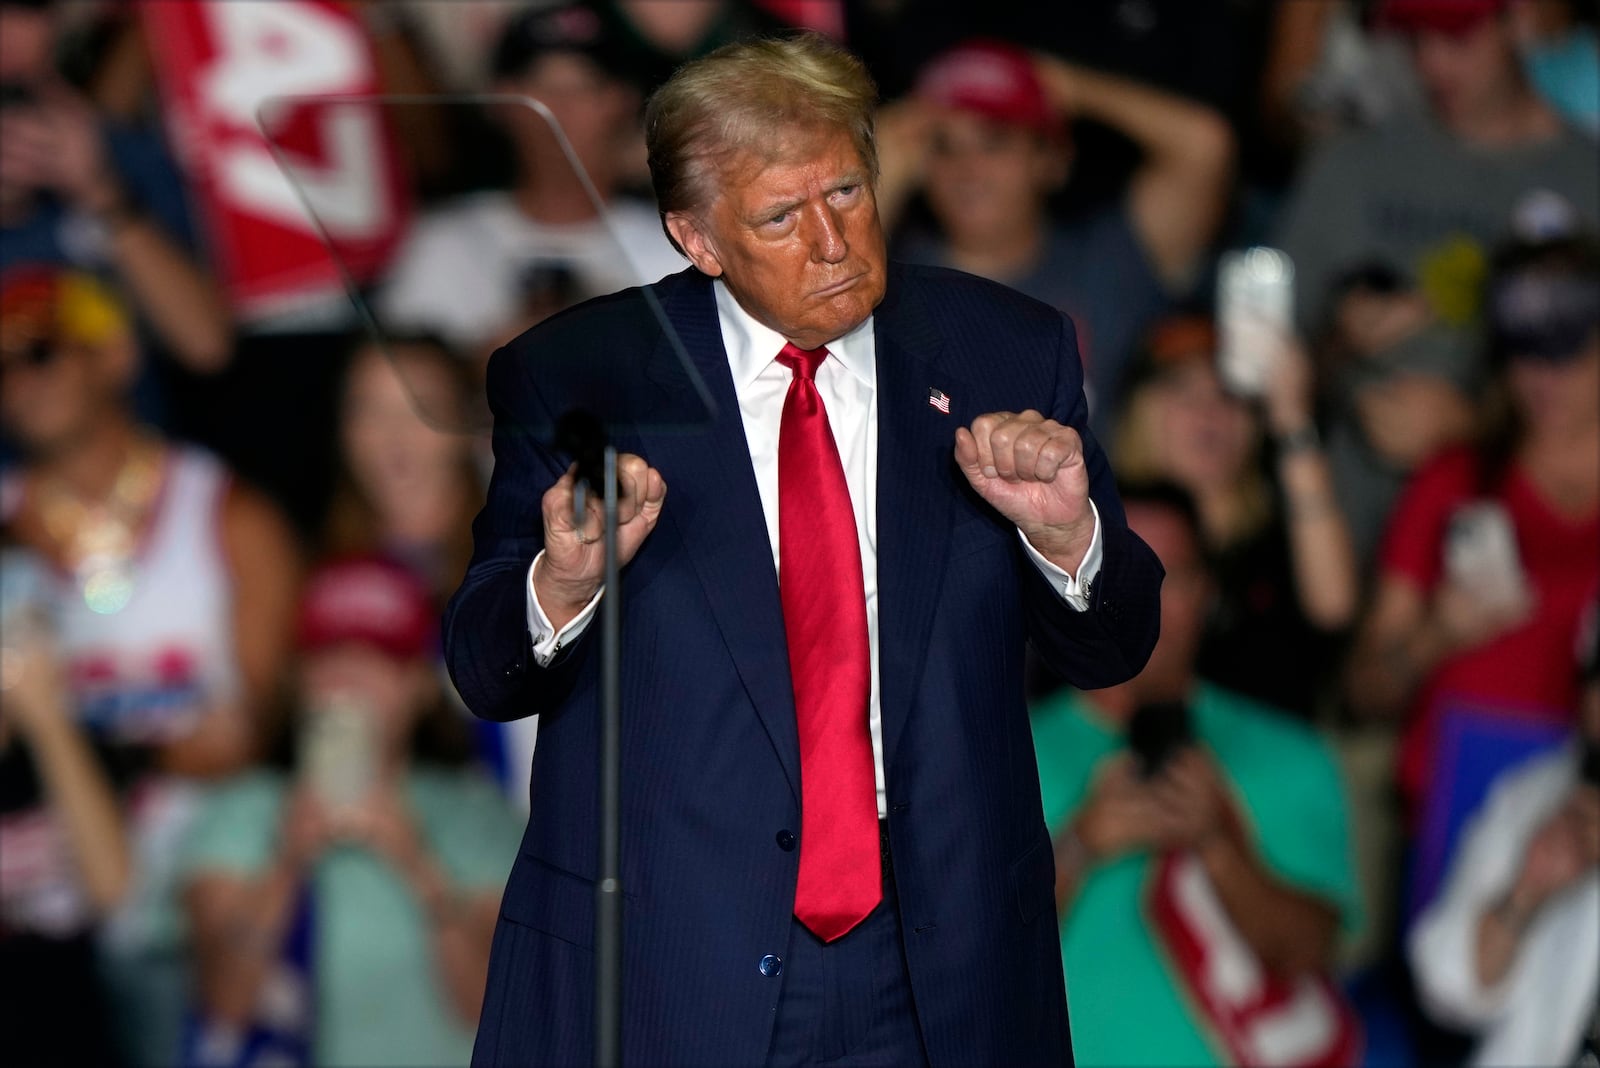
(172, 590)
(408, 483)
(370, 876)
(1287, 583)
(1489, 557)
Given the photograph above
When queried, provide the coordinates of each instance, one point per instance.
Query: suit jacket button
(786, 841)
(771, 965)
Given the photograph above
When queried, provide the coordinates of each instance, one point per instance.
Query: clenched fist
(573, 567)
(1032, 470)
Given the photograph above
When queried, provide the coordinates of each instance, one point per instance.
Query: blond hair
(743, 98)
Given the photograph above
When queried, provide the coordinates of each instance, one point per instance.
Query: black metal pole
(608, 888)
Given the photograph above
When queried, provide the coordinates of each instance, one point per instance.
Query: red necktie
(825, 619)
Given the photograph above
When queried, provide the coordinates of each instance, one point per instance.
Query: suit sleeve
(486, 642)
(1109, 643)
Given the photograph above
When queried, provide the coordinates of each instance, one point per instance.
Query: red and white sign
(1256, 1017)
(247, 87)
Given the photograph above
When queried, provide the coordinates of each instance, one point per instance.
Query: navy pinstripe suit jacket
(709, 749)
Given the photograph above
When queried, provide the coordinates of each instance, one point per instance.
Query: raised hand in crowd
(1321, 547)
(1564, 848)
(1495, 951)
(1118, 816)
(1562, 851)
(1464, 615)
(55, 143)
(1178, 195)
(904, 132)
(1193, 809)
(36, 711)
(1408, 633)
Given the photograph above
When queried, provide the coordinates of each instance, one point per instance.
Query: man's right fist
(573, 567)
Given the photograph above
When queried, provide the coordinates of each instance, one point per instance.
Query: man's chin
(848, 309)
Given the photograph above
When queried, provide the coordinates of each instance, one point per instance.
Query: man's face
(593, 109)
(986, 179)
(1464, 72)
(796, 239)
(53, 385)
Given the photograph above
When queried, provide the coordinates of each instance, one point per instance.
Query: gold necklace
(98, 539)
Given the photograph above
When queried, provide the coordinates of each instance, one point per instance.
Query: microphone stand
(596, 457)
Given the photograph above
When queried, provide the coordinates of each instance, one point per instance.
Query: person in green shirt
(393, 864)
(1204, 866)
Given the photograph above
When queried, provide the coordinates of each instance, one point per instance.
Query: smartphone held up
(338, 745)
(1481, 553)
(1157, 731)
(1255, 312)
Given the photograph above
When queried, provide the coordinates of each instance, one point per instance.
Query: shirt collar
(753, 346)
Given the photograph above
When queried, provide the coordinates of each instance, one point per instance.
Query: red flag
(217, 64)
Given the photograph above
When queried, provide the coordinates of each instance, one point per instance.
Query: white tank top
(148, 672)
(144, 674)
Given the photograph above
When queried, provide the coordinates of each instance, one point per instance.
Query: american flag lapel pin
(938, 398)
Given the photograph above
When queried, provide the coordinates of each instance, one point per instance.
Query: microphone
(581, 435)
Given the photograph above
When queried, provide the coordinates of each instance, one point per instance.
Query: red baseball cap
(995, 79)
(1441, 16)
(367, 599)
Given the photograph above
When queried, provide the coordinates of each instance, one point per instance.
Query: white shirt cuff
(547, 641)
(1075, 591)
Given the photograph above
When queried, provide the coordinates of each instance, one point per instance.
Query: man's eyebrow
(778, 207)
(775, 208)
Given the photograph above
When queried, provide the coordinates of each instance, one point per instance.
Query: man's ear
(686, 231)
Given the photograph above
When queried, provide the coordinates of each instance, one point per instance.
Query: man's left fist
(1031, 469)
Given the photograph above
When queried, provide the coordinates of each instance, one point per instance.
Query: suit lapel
(713, 502)
(716, 508)
(915, 468)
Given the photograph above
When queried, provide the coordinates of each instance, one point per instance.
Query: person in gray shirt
(1389, 229)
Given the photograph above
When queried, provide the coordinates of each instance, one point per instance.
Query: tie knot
(803, 362)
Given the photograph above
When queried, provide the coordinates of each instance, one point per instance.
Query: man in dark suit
(833, 847)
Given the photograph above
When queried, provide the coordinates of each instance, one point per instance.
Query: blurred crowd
(1334, 267)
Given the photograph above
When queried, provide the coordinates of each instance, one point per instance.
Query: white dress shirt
(848, 382)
